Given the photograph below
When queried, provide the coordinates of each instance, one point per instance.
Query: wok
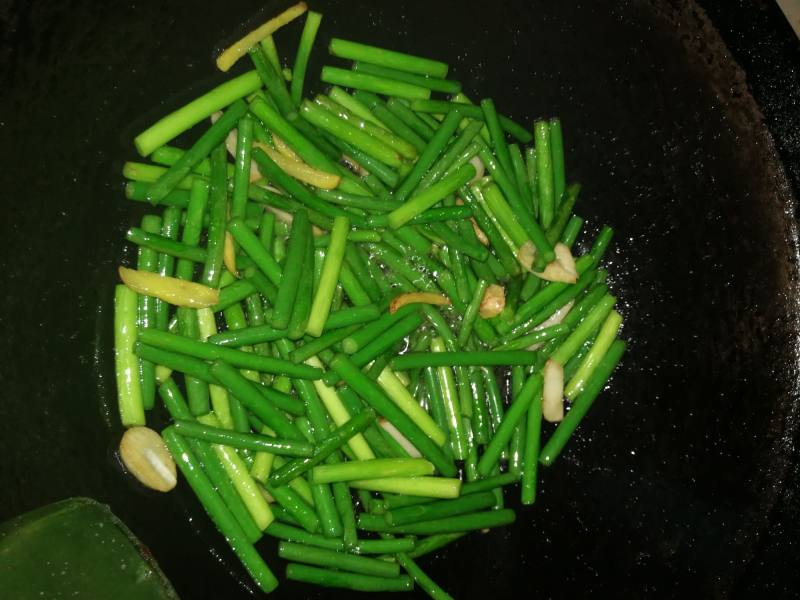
(681, 122)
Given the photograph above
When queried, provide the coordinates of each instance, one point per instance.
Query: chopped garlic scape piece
(354, 166)
(229, 253)
(169, 289)
(300, 170)
(230, 55)
(284, 148)
(418, 298)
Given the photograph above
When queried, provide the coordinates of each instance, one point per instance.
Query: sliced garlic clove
(267, 496)
(556, 317)
(553, 392)
(476, 162)
(494, 301)
(525, 255)
(479, 232)
(230, 142)
(562, 269)
(280, 215)
(255, 174)
(400, 438)
(230, 146)
(555, 272)
(146, 457)
(564, 256)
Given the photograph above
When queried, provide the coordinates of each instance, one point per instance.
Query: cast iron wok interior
(681, 479)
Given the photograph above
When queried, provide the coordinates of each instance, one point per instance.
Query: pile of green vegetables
(330, 296)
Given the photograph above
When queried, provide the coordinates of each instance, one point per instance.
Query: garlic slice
(399, 438)
(553, 392)
(476, 162)
(479, 233)
(494, 301)
(562, 269)
(146, 457)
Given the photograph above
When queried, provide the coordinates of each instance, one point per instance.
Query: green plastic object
(76, 548)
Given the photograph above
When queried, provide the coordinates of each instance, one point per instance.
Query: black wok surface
(682, 481)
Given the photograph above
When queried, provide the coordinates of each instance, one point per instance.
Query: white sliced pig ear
(562, 269)
(553, 392)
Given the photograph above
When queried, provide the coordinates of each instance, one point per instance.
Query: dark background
(684, 478)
